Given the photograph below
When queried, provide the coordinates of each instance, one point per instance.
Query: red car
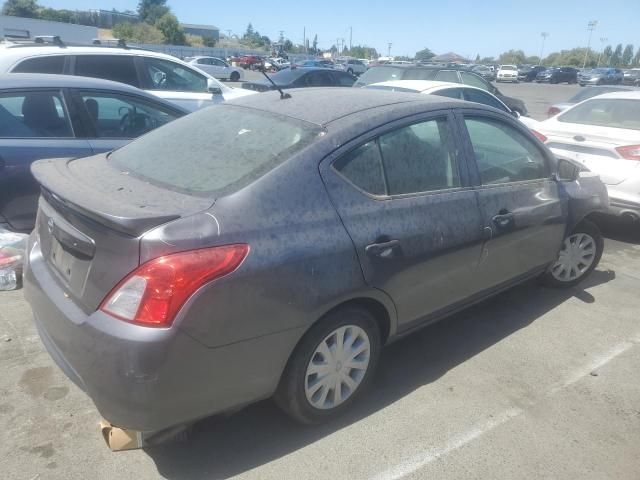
(251, 61)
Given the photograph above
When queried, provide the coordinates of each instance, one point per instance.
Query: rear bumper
(148, 379)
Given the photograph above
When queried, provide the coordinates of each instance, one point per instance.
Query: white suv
(351, 66)
(507, 73)
(161, 75)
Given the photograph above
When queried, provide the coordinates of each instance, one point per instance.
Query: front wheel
(581, 251)
(333, 363)
(235, 76)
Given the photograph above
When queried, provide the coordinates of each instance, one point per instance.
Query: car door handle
(504, 219)
(383, 249)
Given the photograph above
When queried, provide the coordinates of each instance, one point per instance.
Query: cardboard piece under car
(119, 439)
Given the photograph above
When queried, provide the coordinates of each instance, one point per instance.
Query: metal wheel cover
(337, 367)
(577, 255)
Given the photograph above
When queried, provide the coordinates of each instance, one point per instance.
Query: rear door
(402, 193)
(523, 212)
(34, 124)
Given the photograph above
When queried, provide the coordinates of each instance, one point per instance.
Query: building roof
(449, 57)
(199, 27)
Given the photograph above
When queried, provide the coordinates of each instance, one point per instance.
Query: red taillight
(553, 111)
(153, 293)
(539, 136)
(629, 152)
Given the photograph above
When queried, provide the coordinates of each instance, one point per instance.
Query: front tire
(331, 366)
(580, 254)
(234, 77)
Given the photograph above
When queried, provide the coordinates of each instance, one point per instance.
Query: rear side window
(476, 96)
(33, 115)
(447, 76)
(52, 64)
(171, 76)
(503, 154)
(473, 81)
(344, 80)
(420, 74)
(119, 68)
(216, 150)
(450, 92)
(614, 113)
(363, 168)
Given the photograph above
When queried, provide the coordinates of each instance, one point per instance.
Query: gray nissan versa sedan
(270, 247)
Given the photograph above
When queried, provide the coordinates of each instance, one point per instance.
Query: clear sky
(467, 27)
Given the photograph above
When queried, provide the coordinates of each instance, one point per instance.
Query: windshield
(214, 151)
(508, 67)
(381, 74)
(592, 92)
(613, 113)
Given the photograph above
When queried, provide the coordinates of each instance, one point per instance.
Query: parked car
(558, 75)
(316, 64)
(55, 116)
(507, 73)
(385, 73)
(485, 72)
(300, 77)
(276, 64)
(236, 283)
(631, 77)
(601, 76)
(351, 66)
(251, 62)
(585, 94)
(162, 75)
(217, 68)
(528, 73)
(451, 90)
(603, 134)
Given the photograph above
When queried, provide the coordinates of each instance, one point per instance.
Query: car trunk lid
(90, 219)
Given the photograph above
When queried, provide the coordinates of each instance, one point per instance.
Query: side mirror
(213, 87)
(567, 171)
(515, 113)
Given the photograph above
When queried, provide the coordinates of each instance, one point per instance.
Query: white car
(452, 90)
(217, 68)
(507, 73)
(159, 74)
(603, 134)
(351, 65)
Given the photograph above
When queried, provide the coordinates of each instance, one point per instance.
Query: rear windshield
(614, 113)
(288, 76)
(592, 92)
(214, 151)
(381, 74)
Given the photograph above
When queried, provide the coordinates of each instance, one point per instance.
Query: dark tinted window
(33, 114)
(363, 168)
(417, 158)
(172, 76)
(419, 74)
(119, 68)
(504, 154)
(382, 74)
(477, 96)
(216, 150)
(474, 81)
(123, 116)
(451, 93)
(53, 65)
(614, 113)
(447, 76)
(344, 80)
(319, 79)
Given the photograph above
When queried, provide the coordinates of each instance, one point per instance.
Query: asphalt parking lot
(534, 383)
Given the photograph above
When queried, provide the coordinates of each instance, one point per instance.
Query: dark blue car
(53, 116)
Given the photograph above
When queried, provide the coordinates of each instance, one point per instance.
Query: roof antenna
(283, 96)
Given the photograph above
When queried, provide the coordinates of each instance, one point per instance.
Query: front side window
(474, 81)
(51, 64)
(344, 80)
(119, 68)
(417, 158)
(33, 115)
(503, 154)
(121, 116)
(472, 95)
(614, 113)
(171, 76)
(204, 61)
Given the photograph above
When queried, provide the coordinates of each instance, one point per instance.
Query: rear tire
(580, 255)
(235, 76)
(322, 379)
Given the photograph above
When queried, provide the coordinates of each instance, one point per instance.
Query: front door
(402, 196)
(524, 215)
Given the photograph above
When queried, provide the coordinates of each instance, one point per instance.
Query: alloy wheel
(337, 367)
(577, 255)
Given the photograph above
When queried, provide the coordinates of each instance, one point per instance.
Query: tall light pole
(389, 50)
(591, 26)
(603, 40)
(544, 36)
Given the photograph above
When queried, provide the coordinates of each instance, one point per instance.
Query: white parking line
(421, 460)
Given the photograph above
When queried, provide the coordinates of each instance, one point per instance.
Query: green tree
(532, 60)
(487, 60)
(636, 59)
(171, 30)
(314, 48)
(250, 31)
(616, 58)
(606, 55)
(360, 51)
(570, 58)
(21, 8)
(627, 55)
(516, 57)
(477, 58)
(151, 11)
(424, 55)
(287, 45)
(66, 16)
(138, 33)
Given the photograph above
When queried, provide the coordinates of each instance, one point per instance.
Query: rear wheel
(331, 366)
(235, 76)
(580, 254)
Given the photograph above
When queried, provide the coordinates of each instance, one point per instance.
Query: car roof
(418, 85)
(626, 95)
(42, 80)
(338, 103)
